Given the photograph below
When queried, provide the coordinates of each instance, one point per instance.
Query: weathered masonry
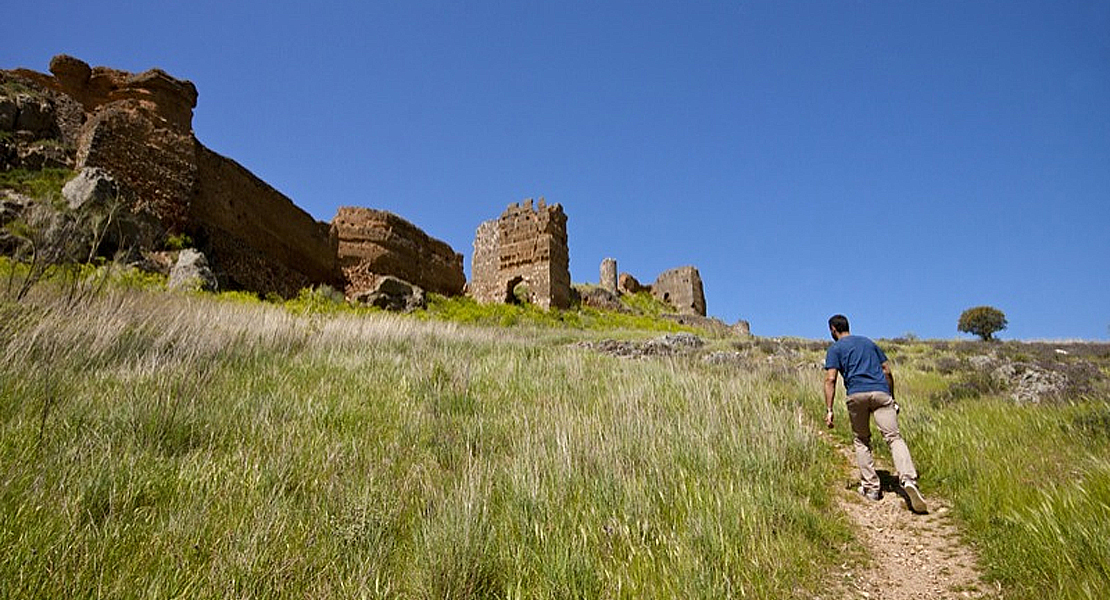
(682, 289)
(523, 256)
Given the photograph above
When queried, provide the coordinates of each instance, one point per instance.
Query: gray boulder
(393, 294)
(93, 187)
(191, 273)
(94, 190)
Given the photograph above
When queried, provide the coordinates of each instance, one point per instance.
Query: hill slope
(167, 445)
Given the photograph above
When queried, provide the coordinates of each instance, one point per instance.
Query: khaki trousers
(880, 404)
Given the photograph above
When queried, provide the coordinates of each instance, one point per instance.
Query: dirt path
(912, 556)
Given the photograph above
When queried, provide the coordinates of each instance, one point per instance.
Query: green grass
(1032, 483)
(645, 316)
(178, 445)
(45, 184)
(190, 445)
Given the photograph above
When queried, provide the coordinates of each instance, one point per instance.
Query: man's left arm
(889, 374)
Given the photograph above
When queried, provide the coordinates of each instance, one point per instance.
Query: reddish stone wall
(259, 239)
(373, 243)
(156, 167)
(138, 127)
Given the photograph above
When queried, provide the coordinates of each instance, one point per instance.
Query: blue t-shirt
(860, 361)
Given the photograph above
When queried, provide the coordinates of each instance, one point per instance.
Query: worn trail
(909, 556)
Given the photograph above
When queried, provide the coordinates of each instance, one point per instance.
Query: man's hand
(830, 394)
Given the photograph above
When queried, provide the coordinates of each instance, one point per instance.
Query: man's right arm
(830, 395)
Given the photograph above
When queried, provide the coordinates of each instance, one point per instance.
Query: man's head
(838, 326)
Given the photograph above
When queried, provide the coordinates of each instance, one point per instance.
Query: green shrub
(178, 241)
(463, 309)
(322, 299)
(239, 297)
(45, 185)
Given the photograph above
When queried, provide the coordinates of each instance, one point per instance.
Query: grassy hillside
(159, 445)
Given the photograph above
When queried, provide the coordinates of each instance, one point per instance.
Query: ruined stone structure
(138, 128)
(627, 284)
(682, 289)
(375, 243)
(526, 247)
(609, 275)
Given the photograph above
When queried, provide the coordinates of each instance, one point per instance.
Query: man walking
(869, 383)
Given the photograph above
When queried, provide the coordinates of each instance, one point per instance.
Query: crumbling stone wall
(682, 289)
(374, 243)
(526, 246)
(138, 128)
(255, 237)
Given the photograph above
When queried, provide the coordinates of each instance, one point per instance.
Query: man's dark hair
(839, 323)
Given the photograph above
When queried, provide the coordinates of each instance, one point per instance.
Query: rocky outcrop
(31, 137)
(12, 206)
(672, 344)
(600, 298)
(373, 243)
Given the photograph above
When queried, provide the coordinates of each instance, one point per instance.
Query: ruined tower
(523, 255)
(682, 289)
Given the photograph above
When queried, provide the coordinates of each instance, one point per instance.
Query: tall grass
(163, 445)
(158, 445)
(1032, 483)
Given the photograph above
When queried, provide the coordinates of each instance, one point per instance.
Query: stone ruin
(132, 134)
(682, 289)
(376, 243)
(135, 131)
(138, 128)
(609, 275)
(523, 255)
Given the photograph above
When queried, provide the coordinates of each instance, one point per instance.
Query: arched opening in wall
(513, 295)
(667, 297)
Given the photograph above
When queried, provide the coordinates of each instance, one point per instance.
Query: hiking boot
(874, 495)
(917, 501)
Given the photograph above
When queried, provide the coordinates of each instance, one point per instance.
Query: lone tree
(982, 321)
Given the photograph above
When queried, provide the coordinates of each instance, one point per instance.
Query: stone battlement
(526, 246)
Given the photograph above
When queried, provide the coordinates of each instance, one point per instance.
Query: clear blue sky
(895, 161)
